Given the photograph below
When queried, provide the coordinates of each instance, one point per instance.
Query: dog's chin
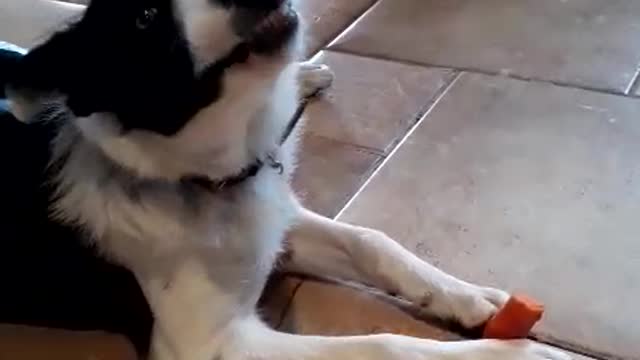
(274, 33)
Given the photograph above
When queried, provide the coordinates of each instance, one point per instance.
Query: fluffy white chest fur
(177, 236)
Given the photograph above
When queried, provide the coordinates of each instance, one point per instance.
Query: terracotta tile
(277, 296)
(587, 42)
(27, 22)
(329, 173)
(30, 343)
(326, 19)
(328, 309)
(372, 103)
(526, 186)
(320, 308)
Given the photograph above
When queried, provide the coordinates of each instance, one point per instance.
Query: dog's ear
(123, 58)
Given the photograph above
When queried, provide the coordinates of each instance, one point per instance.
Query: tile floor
(496, 139)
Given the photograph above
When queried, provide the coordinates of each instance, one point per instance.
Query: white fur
(313, 78)
(203, 266)
(208, 29)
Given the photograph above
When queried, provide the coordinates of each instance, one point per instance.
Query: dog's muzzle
(267, 30)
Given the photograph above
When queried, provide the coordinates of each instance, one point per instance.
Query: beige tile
(329, 173)
(327, 309)
(372, 103)
(588, 42)
(27, 22)
(529, 187)
(326, 19)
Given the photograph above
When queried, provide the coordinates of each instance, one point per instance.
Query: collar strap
(226, 182)
(215, 185)
(240, 55)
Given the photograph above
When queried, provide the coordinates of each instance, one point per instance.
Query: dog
(154, 165)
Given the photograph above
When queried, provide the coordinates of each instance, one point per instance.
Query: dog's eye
(145, 19)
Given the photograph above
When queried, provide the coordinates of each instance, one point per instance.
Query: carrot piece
(515, 319)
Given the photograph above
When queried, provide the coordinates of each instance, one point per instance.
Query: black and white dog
(151, 138)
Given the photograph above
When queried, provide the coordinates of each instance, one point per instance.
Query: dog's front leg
(323, 247)
(191, 308)
(246, 338)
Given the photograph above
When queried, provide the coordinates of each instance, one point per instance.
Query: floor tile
(326, 19)
(23, 25)
(372, 103)
(326, 309)
(329, 173)
(30, 343)
(529, 187)
(588, 42)
(320, 308)
(276, 298)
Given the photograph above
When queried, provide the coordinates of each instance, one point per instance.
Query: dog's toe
(314, 78)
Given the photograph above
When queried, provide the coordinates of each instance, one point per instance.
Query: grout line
(354, 23)
(399, 145)
(390, 60)
(422, 110)
(490, 73)
(576, 349)
(362, 148)
(455, 74)
(635, 83)
(337, 34)
(371, 171)
(364, 178)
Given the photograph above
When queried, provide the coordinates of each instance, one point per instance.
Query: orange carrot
(515, 319)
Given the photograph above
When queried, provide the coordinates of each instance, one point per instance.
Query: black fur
(113, 60)
(49, 276)
(120, 59)
(130, 58)
(125, 57)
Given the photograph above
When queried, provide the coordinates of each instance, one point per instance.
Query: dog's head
(152, 64)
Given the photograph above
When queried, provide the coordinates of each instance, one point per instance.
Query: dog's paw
(313, 78)
(410, 348)
(467, 304)
(518, 350)
(472, 305)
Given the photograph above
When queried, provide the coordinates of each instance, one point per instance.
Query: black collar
(226, 182)
(251, 170)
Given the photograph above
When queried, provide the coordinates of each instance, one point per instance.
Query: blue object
(5, 46)
(9, 56)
